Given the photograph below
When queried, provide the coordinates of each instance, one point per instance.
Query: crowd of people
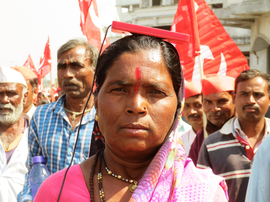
(131, 143)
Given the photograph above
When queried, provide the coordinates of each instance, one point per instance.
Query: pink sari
(172, 176)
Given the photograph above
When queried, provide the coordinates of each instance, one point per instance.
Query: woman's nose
(137, 104)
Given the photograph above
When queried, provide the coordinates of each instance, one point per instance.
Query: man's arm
(34, 149)
(259, 182)
(203, 159)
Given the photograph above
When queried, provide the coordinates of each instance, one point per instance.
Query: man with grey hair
(53, 128)
(13, 134)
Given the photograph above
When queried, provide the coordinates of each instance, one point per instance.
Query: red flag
(90, 23)
(29, 63)
(45, 61)
(219, 53)
(41, 87)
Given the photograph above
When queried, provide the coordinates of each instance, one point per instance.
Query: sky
(26, 24)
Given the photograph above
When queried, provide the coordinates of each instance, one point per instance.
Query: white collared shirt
(188, 139)
(29, 114)
(241, 133)
(12, 174)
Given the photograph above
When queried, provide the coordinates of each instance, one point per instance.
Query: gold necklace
(133, 183)
(74, 114)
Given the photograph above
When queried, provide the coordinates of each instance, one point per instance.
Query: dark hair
(41, 93)
(34, 83)
(135, 44)
(250, 74)
(90, 50)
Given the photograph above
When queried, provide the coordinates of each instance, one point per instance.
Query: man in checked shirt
(53, 128)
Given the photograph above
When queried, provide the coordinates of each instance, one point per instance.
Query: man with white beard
(13, 134)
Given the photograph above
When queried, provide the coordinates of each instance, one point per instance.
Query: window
(217, 6)
(124, 9)
(156, 2)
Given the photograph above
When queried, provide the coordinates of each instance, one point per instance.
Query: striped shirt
(51, 135)
(227, 156)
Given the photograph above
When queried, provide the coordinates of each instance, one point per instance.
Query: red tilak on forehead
(67, 62)
(138, 72)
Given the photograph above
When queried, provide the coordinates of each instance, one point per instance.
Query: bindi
(67, 62)
(138, 72)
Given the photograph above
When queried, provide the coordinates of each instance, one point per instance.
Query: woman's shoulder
(73, 188)
(203, 179)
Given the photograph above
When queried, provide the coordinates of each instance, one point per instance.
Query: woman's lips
(134, 128)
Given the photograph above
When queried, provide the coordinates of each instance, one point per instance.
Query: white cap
(9, 75)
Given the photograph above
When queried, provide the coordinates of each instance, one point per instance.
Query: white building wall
(259, 61)
(259, 54)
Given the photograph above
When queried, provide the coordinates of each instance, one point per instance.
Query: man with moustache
(13, 134)
(217, 105)
(192, 112)
(230, 151)
(53, 128)
(32, 83)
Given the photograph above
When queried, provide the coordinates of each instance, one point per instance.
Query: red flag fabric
(45, 61)
(29, 63)
(90, 23)
(218, 52)
(41, 87)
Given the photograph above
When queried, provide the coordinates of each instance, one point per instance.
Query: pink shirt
(75, 188)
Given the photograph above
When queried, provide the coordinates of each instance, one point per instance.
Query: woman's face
(136, 103)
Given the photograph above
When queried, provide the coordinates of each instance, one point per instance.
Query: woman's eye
(118, 89)
(157, 92)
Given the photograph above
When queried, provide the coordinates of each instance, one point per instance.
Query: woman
(138, 100)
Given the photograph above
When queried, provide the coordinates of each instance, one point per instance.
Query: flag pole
(204, 116)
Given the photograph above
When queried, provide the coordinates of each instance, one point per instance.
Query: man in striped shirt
(54, 127)
(230, 151)
(218, 107)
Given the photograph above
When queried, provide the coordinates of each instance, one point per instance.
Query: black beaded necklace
(91, 182)
(133, 183)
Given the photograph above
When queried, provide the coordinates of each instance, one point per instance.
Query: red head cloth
(192, 88)
(217, 83)
(26, 72)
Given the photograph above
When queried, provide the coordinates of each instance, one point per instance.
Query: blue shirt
(259, 182)
(51, 135)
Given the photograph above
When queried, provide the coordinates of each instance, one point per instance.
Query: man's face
(41, 96)
(218, 107)
(11, 102)
(193, 112)
(30, 96)
(252, 99)
(74, 73)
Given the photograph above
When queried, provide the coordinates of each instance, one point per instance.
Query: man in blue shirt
(259, 182)
(53, 128)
